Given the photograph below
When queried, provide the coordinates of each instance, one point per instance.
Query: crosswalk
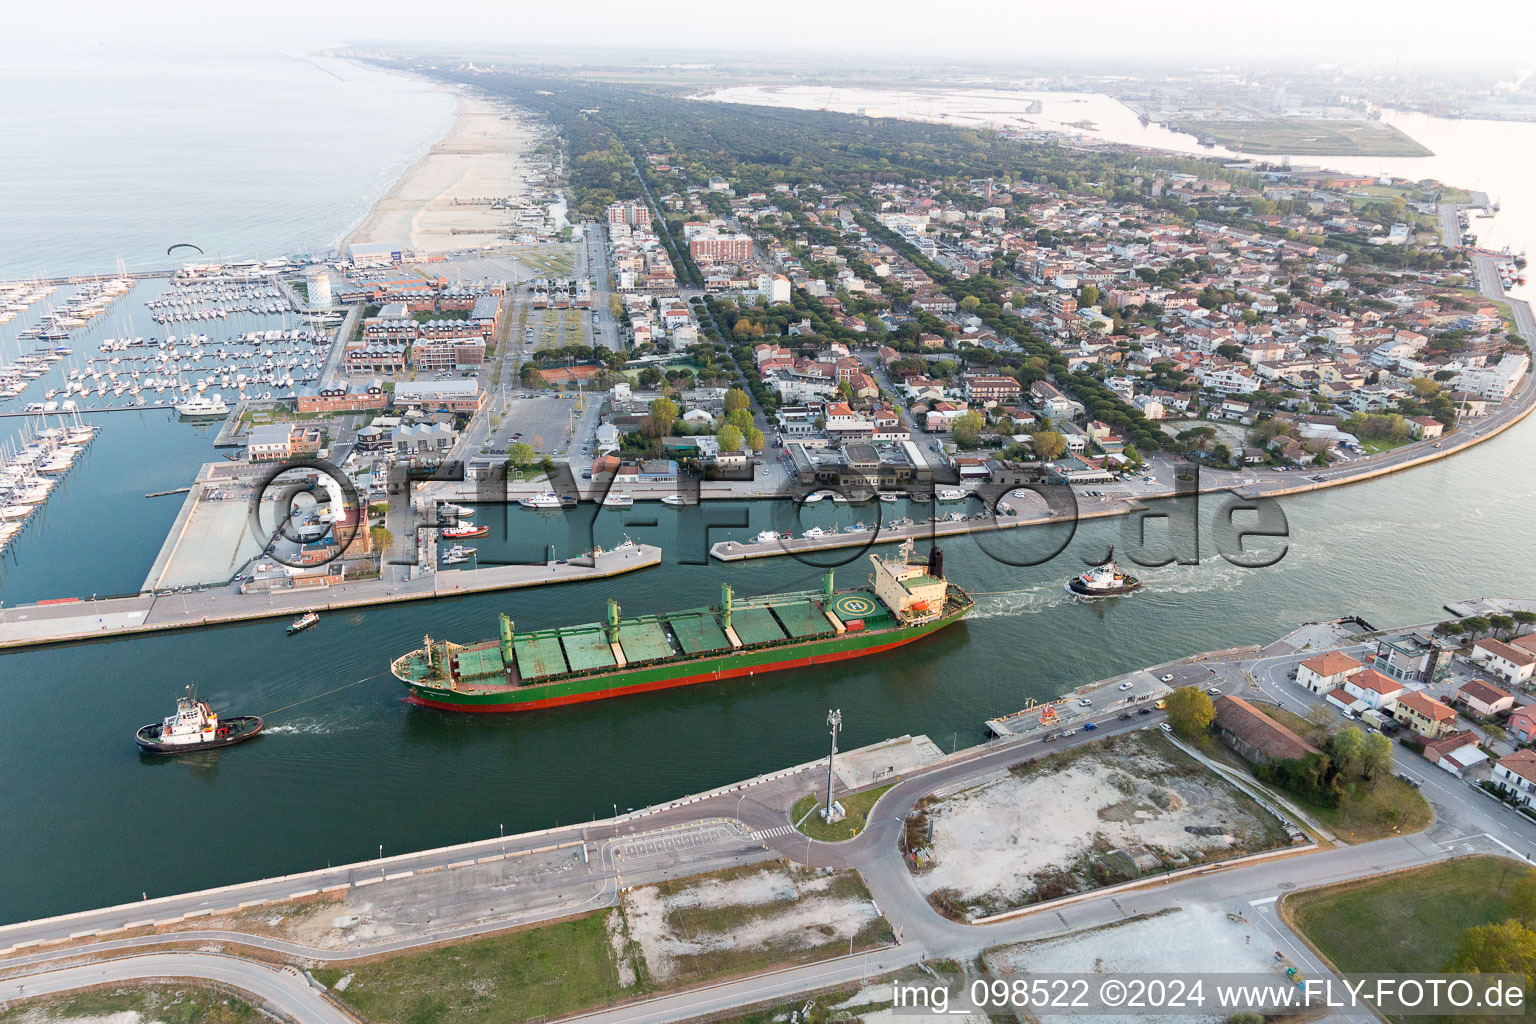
(772, 833)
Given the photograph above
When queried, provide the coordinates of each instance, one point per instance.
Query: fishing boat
(889, 497)
(770, 537)
(947, 495)
(465, 531)
(674, 500)
(195, 726)
(447, 510)
(1105, 580)
(522, 670)
(302, 623)
(618, 499)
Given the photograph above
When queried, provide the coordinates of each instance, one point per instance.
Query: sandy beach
(442, 201)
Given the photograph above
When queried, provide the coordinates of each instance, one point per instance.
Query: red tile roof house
(1424, 715)
(1485, 699)
(1373, 689)
(1510, 664)
(1522, 724)
(1326, 671)
(1455, 752)
(1515, 777)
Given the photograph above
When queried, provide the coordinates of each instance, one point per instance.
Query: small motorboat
(811, 499)
(446, 510)
(888, 496)
(618, 499)
(302, 623)
(674, 500)
(195, 726)
(457, 554)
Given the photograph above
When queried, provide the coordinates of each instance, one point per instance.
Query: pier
(73, 619)
(737, 551)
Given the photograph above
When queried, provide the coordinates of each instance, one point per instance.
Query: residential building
(1515, 777)
(1521, 724)
(1370, 689)
(1485, 699)
(1455, 752)
(1510, 664)
(1410, 658)
(1325, 672)
(1423, 714)
(351, 397)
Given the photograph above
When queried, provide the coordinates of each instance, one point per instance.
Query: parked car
(1213, 691)
(1165, 727)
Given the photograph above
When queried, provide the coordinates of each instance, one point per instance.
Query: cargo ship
(905, 600)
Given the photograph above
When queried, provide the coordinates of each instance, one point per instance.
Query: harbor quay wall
(79, 620)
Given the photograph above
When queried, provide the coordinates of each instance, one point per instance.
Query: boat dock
(73, 619)
(737, 551)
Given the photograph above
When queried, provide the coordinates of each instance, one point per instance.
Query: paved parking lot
(544, 423)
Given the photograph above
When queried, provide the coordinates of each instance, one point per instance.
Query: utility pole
(832, 812)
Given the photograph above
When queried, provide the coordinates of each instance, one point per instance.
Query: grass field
(1403, 923)
(164, 1004)
(856, 807)
(1386, 806)
(550, 970)
(1320, 137)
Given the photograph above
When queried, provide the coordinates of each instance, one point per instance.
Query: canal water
(346, 766)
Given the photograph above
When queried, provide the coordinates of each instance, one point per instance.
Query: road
(284, 992)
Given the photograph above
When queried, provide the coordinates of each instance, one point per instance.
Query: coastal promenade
(77, 619)
(451, 895)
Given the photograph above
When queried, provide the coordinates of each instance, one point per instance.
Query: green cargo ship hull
(547, 668)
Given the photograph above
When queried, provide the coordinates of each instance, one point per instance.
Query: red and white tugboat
(195, 726)
(1104, 580)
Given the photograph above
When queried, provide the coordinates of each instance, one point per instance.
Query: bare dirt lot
(747, 918)
(1113, 811)
(1195, 939)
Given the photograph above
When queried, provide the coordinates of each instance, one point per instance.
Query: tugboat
(302, 623)
(195, 726)
(1103, 581)
(467, 530)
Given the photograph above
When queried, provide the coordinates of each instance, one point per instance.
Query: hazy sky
(1217, 31)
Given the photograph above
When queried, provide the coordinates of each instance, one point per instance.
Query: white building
(1515, 776)
(773, 287)
(317, 284)
(1326, 671)
(1510, 664)
(1495, 383)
